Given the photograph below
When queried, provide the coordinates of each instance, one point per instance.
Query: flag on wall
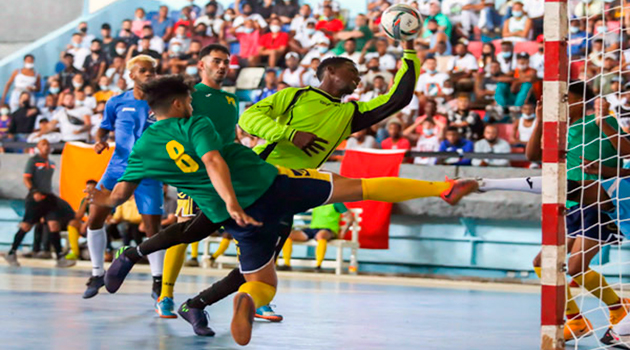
(80, 163)
(376, 216)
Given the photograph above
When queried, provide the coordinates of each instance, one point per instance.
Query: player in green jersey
(222, 108)
(185, 151)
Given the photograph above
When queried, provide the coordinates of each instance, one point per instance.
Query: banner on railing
(376, 216)
(79, 163)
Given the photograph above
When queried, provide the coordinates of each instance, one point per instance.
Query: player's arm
(107, 125)
(399, 96)
(27, 177)
(621, 144)
(119, 195)
(533, 151)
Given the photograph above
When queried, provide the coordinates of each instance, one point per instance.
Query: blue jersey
(128, 118)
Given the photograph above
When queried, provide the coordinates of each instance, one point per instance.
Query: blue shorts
(619, 192)
(593, 224)
(149, 194)
(292, 192)
(312, 232)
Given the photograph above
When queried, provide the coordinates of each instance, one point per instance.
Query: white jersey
(426, 144)
(292, 78)
(431, 85)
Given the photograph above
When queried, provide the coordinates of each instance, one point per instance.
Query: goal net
(586, 175)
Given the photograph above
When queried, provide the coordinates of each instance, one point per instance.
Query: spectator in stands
(286, 10)
(248, 14)
(49, 108)
(96, 63)
(431, 83)
(444, 23)
(455, 143)
(194, 10)
(24, 79)
(433, 36)
(108, 44)
(145, 49)
(611, 38)
(97, 118)
(104, 92)
(507, 58)
(378, 88)
(264, 8)
(293, 73)
(361, 34)
(488, 55)
(77, 50)
(121, 86)
(519, 26)
(463, 15)
(163, 24)
(23, 119)
(361, 140)
(604, 79)
(321, 8)
(351, 53)
(577, 39)
(226, 36)
(329, 23)
(491, 143)
(86, 38)
(486, 86)
(201, 35)
(298, 24)
(512, 91)
(535, 10)
(427, 141)
(537, 60)
(374, 69)
(66, 75)
(180, 38)
(212, 20)
(5, 120)
(83, 99)
(78, 82)
(73, 122)
(596, 56)
(193, 71)
(386, 61)
(524, 126)
(271, 85)
(396, 140)
(319, 51)
(126, 35)
(467, 123)
(115, 71)
(156, 42)
(306, 39)
(273, 44)
(42, 133)
(139, 22)
(248, 36)
(463, 64)
(588, 8)
(309, 76)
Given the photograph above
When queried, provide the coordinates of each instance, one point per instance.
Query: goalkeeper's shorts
(586, 222)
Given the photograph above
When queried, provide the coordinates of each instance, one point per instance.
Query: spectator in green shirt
(443, 22)
(361, 34)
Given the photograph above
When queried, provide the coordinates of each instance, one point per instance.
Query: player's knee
(537, 261)
(25, 226)
(325, 235)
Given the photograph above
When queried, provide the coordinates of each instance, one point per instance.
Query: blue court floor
(42, 308)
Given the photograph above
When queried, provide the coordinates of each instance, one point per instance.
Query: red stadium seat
(577, 67)
(497, 45)
(505, 130)
(531, 47)
(474, 47)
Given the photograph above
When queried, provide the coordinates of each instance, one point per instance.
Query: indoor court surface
(43, 309)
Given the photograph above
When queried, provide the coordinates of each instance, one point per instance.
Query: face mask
(274, 28)
(528, 116)
(432, 72)
(227, 18)
(373, 69)
(96, 51)
(248, 30)
(309, 31)
(83, 30)
(77, 103)
(76, 85)
(54, 90)
(75, 44)
(103, 87)
(506, 54)
(448, 91)
(29, 65)
(517, 14)
(176, 48)
(200, 32)
(191, 70)
(322, 49)
(247, 13)
(574, 30)
(4, 111)
(602, 29)
(377, 90)
(428, 132)
(211, 14)
(120, 51)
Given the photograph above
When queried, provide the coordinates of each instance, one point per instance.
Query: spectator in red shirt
(273, 45)
(329, 24)
(249, 37)
(395, 139)
(186, 20)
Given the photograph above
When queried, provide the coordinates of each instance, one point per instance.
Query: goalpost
(562, 69)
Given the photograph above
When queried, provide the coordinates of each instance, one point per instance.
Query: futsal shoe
(93, 285)
(65, 263)
(616, 340)
(267, 313)
(118, 270)
(11, 259)
(164, 307)
(192, 262)
(577, 328)
(197, 318)
(459, 189)
(71, 256)
(618, 314)
(243, 318)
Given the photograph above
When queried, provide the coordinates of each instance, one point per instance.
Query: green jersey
(278, 117)
(587, 140)
(170, 151)
(327, 216)
(220, 106)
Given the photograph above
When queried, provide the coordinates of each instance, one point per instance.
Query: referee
(41, 203)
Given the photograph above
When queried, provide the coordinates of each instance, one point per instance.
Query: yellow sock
(223, 246)
(194, 250)
(173, 261)
(320, 251)
(571, 307)
(262, 293)
(395, 189)
(73, 237)
(597, 285)
(287, 250)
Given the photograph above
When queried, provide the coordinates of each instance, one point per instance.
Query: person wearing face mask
(65, 76)
(306, 39)
(435, 35)
(611, 38)
(104, 92)
(180, 39)
(467, 122)
(23, 119)
(519, 26)
(443, 21)
(77, 50)
(507, 58)
(144, 49)
(126, 35)
(248, 36)
(513, 90)
(427, 141)
(192, 71)
(82, 28)
(156, 44)
(96, 63)
(486, 85)
(108, 44)
(537, 60)
(273, 44)
(524, 126)
(328, 23)
(491, 143)
(163, 24)
(577, 39)
(318, 51)
(5, 120)
(431, 83)
(386, 61)
(226, 36)
(298, 23)
(25, 79)
(73, 121)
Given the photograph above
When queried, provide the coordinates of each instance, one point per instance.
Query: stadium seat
(577, 67)
(497, 45)
(474, 47)
(531, 47)
(505, 130)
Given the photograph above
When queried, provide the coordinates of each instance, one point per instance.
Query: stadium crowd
(483, 66)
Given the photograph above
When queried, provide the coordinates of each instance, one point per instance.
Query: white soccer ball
(401, 22)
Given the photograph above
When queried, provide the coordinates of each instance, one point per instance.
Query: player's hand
(308, 142)
(238, 214)
(539, 110)
(594, 167)
(99, 147)
(98, 197)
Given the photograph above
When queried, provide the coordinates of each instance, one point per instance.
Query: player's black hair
(160, 92)
(208, 49)
(91, 182)
(579, 88)
(335, 62)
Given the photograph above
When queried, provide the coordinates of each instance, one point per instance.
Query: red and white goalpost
(555, 111)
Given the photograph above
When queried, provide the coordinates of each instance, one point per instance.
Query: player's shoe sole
(459, 189)
(118, 271)
(243, 318)
(94, 284)
(614, 339)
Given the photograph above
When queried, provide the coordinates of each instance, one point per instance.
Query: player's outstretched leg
(531, 184)
(97, 242)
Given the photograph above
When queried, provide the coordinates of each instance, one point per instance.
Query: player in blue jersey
(128, 116)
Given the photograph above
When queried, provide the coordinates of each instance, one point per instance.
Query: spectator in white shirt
(507, 58)
(309, 76)
(431, 83)
(351, 53)
(537, 60)
(298, 24)
(379, 87)
(211, 19)
(87, 38)
(181, 39)
(428, 141)
(535, 10)
(306, 39)
(386, 60)
(519, 26)
(318, 51)
(491, 143)
(463, 13)
(374, 69)
(247, 14)
(291, 75)
(463, 64)
(73, 122)
(156, 43)
(361, 140)
(79, 52)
